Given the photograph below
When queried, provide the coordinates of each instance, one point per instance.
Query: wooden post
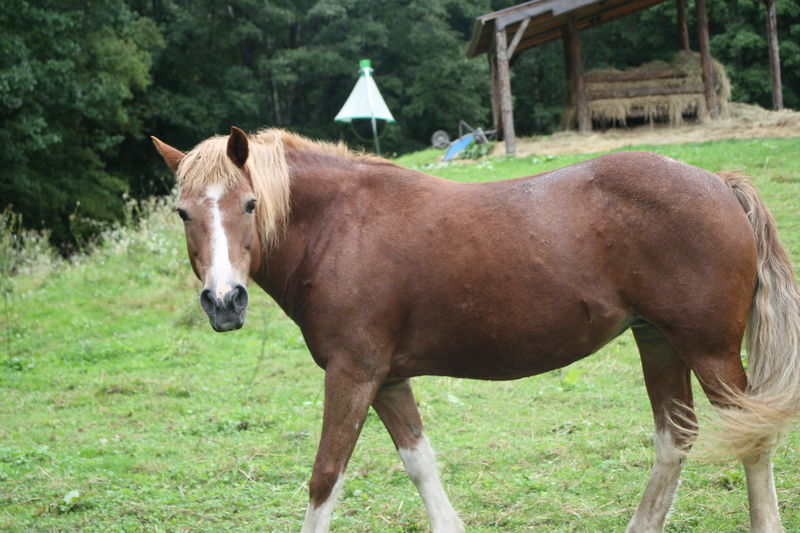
(576, 76)
(683, 26)
(774, 55)
(504, 78)
(705, 59)
(497, 123)
(569, 96)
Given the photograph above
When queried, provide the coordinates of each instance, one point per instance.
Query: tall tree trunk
(774, 55)
(683, 26)
(705, 59)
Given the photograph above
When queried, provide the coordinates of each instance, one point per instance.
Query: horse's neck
(320, 187)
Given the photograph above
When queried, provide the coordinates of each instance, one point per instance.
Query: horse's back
(511, 278)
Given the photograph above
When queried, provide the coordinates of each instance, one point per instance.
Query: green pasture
(121, 410)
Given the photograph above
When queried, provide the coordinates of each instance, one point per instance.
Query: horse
(391, 273)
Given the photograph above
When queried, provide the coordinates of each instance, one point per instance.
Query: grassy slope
(115, 386)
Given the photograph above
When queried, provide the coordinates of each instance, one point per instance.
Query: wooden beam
(617, 77)
(517, 37)
(576, 76)
(705, 58)
(633, 92)
(547, 20)
(549, 29)
(774, 55)
(551, 8)
(504, 78)
(683, 26)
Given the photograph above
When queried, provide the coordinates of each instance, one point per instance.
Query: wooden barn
(669, 89)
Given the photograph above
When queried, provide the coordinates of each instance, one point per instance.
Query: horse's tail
(772, 397)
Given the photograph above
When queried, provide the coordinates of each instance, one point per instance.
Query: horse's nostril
(209, 302)
(239, 298)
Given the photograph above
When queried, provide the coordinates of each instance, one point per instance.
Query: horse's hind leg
(764, 516)
(666, 376)
(715, 377)
(395, 405)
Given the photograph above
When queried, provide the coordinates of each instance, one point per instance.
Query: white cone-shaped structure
(365, 101)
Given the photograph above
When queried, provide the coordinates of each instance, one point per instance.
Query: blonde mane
(208, 163)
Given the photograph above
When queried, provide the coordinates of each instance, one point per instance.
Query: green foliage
(732, 479)
(66, 75)
(21, 251)
(293, 64)
(64, 504)
(9, 257)
(739, 41)
(477, 150)
(83, 84)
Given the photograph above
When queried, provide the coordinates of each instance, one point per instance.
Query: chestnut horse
(391, 273)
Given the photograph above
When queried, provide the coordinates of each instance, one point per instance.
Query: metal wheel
(440, 139)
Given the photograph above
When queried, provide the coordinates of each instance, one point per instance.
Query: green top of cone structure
(364, 63)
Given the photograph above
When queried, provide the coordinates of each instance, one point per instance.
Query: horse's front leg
(348, 394)
(395, 405)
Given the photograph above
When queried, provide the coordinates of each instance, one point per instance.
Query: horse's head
(218, 207)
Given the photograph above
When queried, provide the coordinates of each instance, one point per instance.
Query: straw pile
(655, 91)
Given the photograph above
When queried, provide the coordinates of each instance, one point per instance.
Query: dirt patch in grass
(744, 121)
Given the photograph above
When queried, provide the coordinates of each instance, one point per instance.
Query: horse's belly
(512, 352)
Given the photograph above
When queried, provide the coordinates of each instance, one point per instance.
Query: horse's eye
(251, 206)
(183, 214)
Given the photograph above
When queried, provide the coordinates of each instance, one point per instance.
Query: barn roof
(546, 18)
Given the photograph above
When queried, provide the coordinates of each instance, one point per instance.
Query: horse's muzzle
(227, 313)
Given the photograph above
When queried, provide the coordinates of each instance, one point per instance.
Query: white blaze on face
(221, 269)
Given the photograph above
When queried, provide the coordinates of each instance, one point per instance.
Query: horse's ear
(171, 155)
(238, 149)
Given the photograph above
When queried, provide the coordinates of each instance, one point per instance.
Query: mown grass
(120, 409)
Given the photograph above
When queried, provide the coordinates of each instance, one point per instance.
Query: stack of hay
(653, 91)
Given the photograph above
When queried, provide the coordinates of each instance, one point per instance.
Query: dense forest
(83, 83)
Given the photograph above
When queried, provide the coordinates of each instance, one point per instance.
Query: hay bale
(661, 91)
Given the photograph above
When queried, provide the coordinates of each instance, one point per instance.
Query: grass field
(121, 410)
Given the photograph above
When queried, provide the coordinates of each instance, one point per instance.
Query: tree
(67, 70)
(84, 84)
(739, 41)
(292, 64)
